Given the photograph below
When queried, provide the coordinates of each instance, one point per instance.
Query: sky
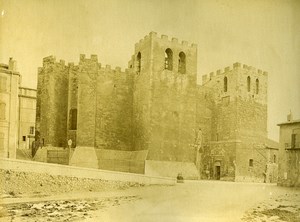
(261, 33)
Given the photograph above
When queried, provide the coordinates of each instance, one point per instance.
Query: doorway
(218, 172)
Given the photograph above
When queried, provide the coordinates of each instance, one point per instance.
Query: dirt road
(191, 201)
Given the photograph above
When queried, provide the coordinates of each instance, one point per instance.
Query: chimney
(290, 116)
(12, 65)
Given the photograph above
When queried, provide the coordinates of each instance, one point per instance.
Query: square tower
(164, 105)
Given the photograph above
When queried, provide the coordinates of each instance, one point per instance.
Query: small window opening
(257, 86)
(248, 83)
(139, 62)
(24, 138)
(293, 142)
(31, 130)
(225, 84)
(274, 158)
(251, 162)
(168, 59)
(182, 63)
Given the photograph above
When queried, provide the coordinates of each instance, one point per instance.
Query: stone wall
(156, 105)
(87, 100)
(52, 105)
(165, 100)
(71, 171)
(171, 169)
(114, 109)
(238, 123)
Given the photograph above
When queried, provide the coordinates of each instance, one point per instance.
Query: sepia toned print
(149, 111)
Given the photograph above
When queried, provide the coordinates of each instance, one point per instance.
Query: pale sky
(261, 33)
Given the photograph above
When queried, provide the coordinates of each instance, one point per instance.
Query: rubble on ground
(17, 184)
(279, 209)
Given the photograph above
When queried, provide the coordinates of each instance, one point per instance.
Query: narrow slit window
(248, 83)
(139, 62)
(257, 86)
(225, 84)
(182, 63)
(251, 162)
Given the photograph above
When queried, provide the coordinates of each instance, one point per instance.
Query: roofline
(290, 122)
(7, 71)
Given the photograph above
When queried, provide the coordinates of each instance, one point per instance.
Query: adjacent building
(289, 153)
(217, 130)
(17, 112)
(9, 118)
(27, 113)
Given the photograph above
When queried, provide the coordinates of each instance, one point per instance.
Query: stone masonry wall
(53, 102)
(164, 100)
(87, 100)
(114, 109)
(72, 101)
(239, 117)
(142, 93)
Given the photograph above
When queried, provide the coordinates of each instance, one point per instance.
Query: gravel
(18, 184)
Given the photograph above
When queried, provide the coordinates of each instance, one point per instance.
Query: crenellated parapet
(164, 38)
(236, 66)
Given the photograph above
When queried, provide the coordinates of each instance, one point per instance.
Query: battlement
(83, 58)
(52, 60)
(208, 77)
(49, 59)
(165, 38)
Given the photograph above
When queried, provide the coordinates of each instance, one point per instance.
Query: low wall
(58, 156)
(171, 169)
(71, 171)
(123, 161)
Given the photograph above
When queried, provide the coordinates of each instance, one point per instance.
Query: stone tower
(239, 119)
(164, 99)
(52, 103)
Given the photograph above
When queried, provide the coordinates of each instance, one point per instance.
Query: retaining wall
(71, 171)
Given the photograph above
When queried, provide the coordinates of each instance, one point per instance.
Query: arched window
(225, 84)
(248, 83)
(139, 62)
(257, 86)
(2, 111)
(73, 119)
(181, 63)
(169, 59)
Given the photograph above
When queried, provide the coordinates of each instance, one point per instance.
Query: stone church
(156, 114)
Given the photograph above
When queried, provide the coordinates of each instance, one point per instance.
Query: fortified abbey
(154, 118)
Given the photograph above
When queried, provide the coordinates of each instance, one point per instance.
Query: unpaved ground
(61, 210)
(193, 201)
(18, 184)
(281, 208)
